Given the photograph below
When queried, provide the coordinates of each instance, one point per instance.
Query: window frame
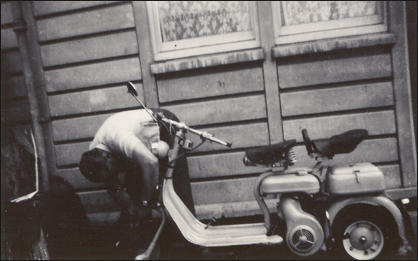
(330, 29)
(201, 45)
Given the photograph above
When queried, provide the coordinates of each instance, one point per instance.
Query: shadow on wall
(411, 7)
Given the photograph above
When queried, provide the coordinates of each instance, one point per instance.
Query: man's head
(97, 165)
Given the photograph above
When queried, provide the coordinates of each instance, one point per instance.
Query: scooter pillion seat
(269, 154)
(339, 144)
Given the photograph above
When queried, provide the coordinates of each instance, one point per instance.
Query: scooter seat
(339, 144)
(269, 154)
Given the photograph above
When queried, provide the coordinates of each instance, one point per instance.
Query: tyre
(364, 235)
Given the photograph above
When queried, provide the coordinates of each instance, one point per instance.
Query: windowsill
(205, 61)
(326, 45)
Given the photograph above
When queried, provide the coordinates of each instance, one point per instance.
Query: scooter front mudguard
(212, 236)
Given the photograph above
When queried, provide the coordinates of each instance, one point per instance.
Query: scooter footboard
(211, 236)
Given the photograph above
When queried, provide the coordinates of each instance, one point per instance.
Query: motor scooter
(323, 207)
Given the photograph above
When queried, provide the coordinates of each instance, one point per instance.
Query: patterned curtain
(301, 12)
(190, 19)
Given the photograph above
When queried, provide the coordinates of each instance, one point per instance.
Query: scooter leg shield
(304, 235)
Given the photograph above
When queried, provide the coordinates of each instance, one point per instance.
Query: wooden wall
(90, 49)
(229, 102)
(336, 92)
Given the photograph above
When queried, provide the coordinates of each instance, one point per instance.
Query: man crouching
(124, 156)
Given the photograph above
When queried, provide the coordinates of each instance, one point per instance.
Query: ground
(103, 247)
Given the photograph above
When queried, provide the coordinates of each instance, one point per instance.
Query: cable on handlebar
(184, 154)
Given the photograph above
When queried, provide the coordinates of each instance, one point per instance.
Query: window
(188, 28)
(297, 21)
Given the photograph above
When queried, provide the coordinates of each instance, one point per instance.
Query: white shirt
(119, 132)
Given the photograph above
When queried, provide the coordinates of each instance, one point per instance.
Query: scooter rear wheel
(363, 240)
(363, 236)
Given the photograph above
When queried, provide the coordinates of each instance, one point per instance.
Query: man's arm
(134, 149)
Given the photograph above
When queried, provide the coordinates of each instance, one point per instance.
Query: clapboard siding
(230, 164)
(377, 123)
(97, 74)
(320, 71)
(8, 39)
(220, 111)
(70, 154)
(219, 165)
(87, 22)
(94, 100)
(210, 84)
(107, 46)
(360, 96)
(241, 136)
(51, 7)
(69, 129)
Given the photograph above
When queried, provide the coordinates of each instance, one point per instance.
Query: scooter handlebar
(202, 134)
(210, 137)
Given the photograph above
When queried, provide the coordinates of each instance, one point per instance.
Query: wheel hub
(362, 237)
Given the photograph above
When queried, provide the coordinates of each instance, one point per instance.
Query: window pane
(181, 20)
(302, 12)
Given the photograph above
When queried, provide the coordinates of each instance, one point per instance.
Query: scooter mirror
(131, 89)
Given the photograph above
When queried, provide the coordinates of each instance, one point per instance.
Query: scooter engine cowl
(304, 235)
(289, 183)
